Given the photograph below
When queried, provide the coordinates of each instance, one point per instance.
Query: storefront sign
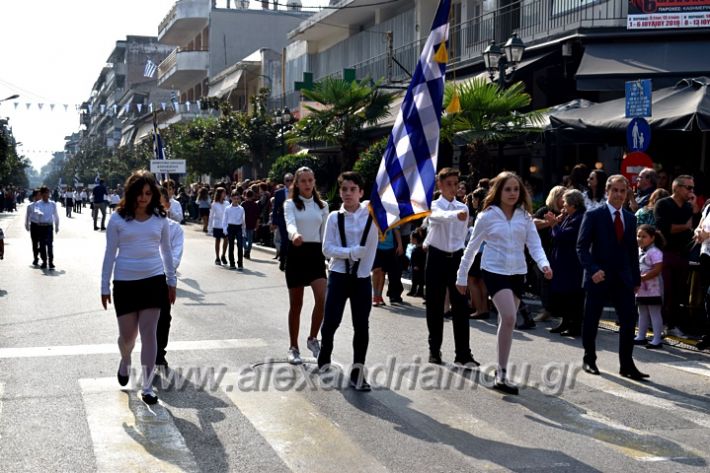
(660, 14)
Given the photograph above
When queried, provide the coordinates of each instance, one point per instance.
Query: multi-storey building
(210, 39)
(124, 70)
(574, 48)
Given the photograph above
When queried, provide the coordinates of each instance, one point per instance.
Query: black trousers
(46, 242)
(623, 301)
(163, 331)
(441, 268)
(235, 231)
(570, 306)
(342, 287)
(69, 204)
(34, 236)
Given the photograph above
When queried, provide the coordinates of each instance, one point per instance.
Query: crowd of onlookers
(10, 196)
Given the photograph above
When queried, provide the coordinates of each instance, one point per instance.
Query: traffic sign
(638, 98)
(633, 163)
(168, 166)
(638, 134)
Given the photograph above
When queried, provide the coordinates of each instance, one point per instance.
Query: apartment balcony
(183, 68)
(185, 20)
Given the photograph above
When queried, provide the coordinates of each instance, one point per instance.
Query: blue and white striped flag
(158, 150)
(406, 179)
(150, 68)
(97, 179)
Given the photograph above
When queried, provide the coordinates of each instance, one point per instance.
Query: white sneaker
(294, 356)
(314, 345)
(675, 332)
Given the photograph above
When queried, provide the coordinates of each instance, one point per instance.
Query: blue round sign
(638, 134)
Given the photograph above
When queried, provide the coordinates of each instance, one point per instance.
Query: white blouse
(309, 222)
(505, 244)
(216, 216)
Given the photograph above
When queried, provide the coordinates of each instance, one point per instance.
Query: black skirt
(496, 282)
(304, 264)
(475, 271)
(132, 296)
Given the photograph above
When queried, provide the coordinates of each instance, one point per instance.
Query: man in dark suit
(608, 251)
(278, 220)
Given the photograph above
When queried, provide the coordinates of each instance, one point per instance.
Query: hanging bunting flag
(405, 181)
(66, 107)
(16, 104)
(187, 105)
(139, 106)
(51, 107)
(28, 105)
(40, 105)
(162, 104)
(102, 107)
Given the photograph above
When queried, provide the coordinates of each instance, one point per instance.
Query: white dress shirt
(177, 242)
(216, 216)
(233, 215)
(309, 222)
(30, 216)
(176, 212)
(505, 244)
(446, 232)
(45, 213)
(354, 226)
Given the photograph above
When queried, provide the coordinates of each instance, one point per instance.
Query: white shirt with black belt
(446, 232)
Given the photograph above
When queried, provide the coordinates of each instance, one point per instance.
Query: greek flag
(97, 179)
(150, 68)
(407, 175)
(158, 151)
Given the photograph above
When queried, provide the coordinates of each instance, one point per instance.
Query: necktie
(618, 226)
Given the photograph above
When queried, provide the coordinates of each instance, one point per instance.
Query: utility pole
(390, 56)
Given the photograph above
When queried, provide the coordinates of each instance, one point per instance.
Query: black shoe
(481, 316)
(505, 388)
(359, 383)
(103, 229)
(282, 266)
(232, 266)
(51, 266)
(149, 398)
(35, 263)
(448, 315)
(396, 300)
(526, 324)
(122, 379)
(591, 368)
(161, 363)
(43, 265)
(642, 342)
(560, 328)
(240, 267)
(571, 333)
(634, 374)
(654, 346)
(467, 362)
(96, 228)
(411, 294)
(435, 358)
(217, 262)
(703, 344)
(247, 255)
(224, 260)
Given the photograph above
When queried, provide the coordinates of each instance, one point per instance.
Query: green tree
(290, 162)
(369, 163)
(488, 114)
(345, 108)
(259, 135)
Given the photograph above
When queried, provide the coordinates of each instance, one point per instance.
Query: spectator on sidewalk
(99, 194)
(251, 221)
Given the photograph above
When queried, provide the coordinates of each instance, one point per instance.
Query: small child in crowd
(648, 297)
(417, 258)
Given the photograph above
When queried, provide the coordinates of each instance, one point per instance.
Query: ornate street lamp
(497, 60)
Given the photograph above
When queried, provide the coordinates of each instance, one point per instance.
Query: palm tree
(488, 114)
(345, 108)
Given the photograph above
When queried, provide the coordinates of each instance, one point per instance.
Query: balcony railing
(171, 60)
(185, 9)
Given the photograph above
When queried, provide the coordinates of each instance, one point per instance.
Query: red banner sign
(656, 14)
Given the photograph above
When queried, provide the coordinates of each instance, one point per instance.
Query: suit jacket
(565, 265)
(598, 248)
(277, 214)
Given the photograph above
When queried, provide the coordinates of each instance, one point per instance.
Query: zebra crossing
(302, 433)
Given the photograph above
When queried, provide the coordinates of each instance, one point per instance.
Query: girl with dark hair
(203, 206)
(505, 225)
(648, 296)
(305, 215)
(215, 226)
(596, 194)
(136, 235)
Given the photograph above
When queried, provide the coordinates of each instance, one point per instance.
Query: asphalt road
(232, 404)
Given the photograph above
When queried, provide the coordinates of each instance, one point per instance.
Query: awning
(226, 84)
(608, 66)
(144, 130)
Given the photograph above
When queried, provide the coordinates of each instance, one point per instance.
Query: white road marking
(128, 435)
(305, 439)
(694, 367)
(112, 348)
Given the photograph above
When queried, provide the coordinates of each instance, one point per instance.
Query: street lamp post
(282, 119)
(497, 59)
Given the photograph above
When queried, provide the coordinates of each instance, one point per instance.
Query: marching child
(648, 297)
(233, 225)
(177, 240)
(350, 243)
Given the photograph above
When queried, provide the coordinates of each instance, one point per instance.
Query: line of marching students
(606, 248)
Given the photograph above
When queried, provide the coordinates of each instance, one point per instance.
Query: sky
(52, 53)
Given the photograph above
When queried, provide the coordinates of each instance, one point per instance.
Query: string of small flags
(173, 106)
